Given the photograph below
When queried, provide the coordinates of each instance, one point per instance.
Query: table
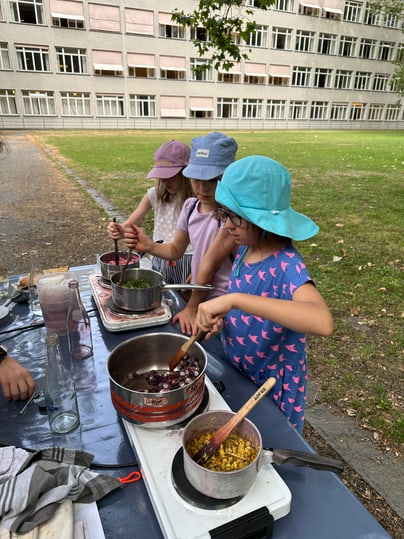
(322, 507)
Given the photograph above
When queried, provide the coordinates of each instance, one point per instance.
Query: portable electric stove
(116, 319)
(182, 512)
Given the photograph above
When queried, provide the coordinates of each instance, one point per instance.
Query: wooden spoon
(125, 267)
(184, 349)
(116, 247)
(225, 430)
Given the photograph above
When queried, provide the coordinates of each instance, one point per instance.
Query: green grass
(352, 184)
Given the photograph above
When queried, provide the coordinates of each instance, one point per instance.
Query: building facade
(312, 64)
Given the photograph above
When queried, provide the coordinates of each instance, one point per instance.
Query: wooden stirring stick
(225, 430)
(184, 349)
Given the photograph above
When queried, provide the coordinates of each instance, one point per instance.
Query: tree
(225, 23)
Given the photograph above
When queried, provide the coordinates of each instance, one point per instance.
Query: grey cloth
(44, 480)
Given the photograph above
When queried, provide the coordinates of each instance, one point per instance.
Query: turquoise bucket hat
(257, 189)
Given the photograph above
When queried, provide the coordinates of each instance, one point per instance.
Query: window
(205, 75)
(103, 17)
(318, 110)
(67, 14)
(4, 57)
(385, 51)
(226, 107)
(310, 8)
(282, 39)
(201, 107)
(375, 111)
(75, 104)
(347, 46)
(343, 79)
(276, 109)
(362, 80)
(254, 73)
(141, 65)
(357, 111)
(254, 3)
(168, 28)
(332, 9)
(107, 63)
(32, 58)
(326, 43)
(259, 38)
(298, 110)
(38, 103)
(367, 49)
(338, 111)
(172, 106)
(172, 67)
(27, 11)
(301, 76)
(109, 105)
(233, 75)
(285, 5)
(252, 108)
(352, 11)
(142, 106)
(8, 105)
(390, 21)
(139, 21)
(71, 60)
(380, 82)
(304, 41)
(199, 34)
(279, 75)
(322, 78)
(392, 113)
(372, 18)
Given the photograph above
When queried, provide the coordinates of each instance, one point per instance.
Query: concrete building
(313, 64)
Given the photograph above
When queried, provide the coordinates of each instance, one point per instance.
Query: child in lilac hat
(198, 224)
(166, 199)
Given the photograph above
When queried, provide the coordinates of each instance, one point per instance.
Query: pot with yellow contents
(232, 470)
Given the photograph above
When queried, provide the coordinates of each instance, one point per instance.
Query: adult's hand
(15, 380)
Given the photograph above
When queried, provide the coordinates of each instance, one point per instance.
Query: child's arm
(116, 230)
(220, 249)
(137, 239)
(307, 312)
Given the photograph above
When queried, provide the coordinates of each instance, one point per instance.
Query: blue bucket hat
(210, 155)
(257, 189)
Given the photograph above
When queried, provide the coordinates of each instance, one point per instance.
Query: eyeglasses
(223, 215)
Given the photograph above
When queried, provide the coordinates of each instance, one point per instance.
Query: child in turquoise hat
(271, 301)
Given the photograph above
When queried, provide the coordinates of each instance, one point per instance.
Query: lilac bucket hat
(210, 155)
(257, 189)
(170, 159)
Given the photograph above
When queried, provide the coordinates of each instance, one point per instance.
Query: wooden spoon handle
(184, 350)
(225, 430)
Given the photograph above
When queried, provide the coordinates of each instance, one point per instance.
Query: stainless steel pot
(142, 354)
(224, 485)
(108, 263)
(144, 299)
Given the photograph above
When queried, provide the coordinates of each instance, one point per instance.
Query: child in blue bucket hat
(271, 301)
(198, 223)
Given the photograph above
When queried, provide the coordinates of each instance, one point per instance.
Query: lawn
(352, 184)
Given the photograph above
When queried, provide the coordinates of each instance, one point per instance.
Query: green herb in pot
(136, 283)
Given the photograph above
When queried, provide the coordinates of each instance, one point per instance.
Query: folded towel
(44, 480)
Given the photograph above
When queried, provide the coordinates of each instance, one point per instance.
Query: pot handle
(303, 458)
(187, 286)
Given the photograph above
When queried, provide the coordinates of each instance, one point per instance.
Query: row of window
(36, 103)
(107, 17)
(72, 60)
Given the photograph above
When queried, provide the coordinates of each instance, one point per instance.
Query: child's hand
(115, 230)
(136, 239)
(210, 314)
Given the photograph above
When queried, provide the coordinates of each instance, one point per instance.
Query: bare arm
(137, 239)
(222, 247)
(307, 312)
(116, 230)
(15, 380)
